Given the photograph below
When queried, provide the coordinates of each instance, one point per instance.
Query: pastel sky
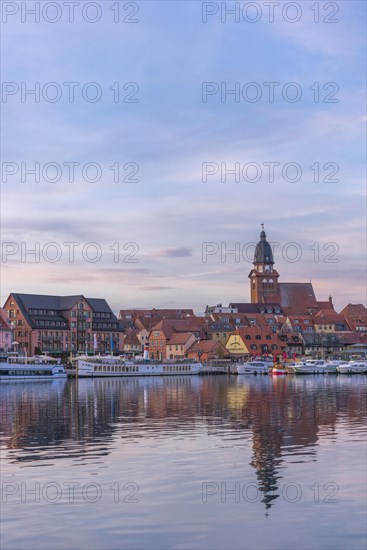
(169, 133)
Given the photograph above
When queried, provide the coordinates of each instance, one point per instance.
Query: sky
(188, 127)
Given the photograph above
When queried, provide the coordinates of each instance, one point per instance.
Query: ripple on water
(200, 462)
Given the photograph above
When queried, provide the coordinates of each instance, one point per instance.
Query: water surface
(184, 463)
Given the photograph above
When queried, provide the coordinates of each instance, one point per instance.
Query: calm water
(185, 462)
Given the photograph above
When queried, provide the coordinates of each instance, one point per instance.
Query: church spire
(263, 251)
(264, 278)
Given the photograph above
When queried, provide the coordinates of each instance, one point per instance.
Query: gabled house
(178, 344)
(207, 350)
(162, 332)
(132, 345)
(355, 316)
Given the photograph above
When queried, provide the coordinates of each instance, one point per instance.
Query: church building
(266, 290)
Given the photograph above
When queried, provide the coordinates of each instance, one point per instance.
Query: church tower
(263, 276)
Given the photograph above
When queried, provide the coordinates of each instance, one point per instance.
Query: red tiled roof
(156, 313)
(355, 315)
(168, 326)
(303, 321)
(4, 325)
(352, 337)
(207, 346)
(146, 323)
(325, 305)
(131, 338)
(297, 297)
(328, 316)
(179, 338)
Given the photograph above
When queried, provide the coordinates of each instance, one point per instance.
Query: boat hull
(278, 371)
(245, 369)
(32, 372)
(345, 369)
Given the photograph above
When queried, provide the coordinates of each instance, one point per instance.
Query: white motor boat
(313, 366)
(354, 367)
(254, 367)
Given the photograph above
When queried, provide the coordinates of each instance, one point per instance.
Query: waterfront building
(63, 324)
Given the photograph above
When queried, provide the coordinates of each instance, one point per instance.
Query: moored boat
(103, 367)
(254, 367)
(354, 367)
(313, 366)
(30, 368)
(278, 370)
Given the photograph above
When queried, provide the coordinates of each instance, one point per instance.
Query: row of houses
(231, 333)
(59, 325)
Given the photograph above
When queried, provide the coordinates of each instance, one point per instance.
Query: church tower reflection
(266, 460)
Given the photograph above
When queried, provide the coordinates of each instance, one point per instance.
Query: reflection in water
(79, 420)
